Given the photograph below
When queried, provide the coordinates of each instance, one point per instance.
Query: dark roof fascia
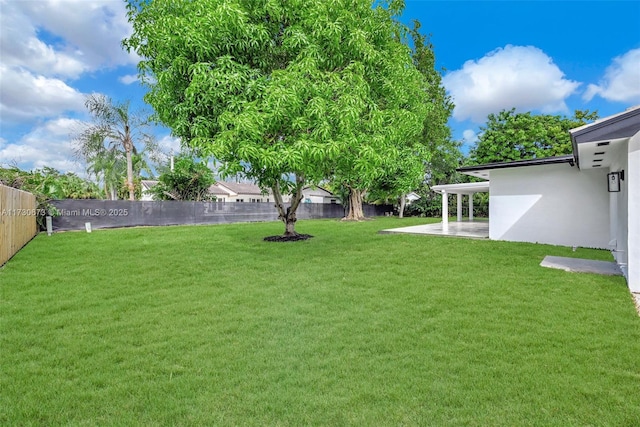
(618, 119)
(621, 125)
(519, 163)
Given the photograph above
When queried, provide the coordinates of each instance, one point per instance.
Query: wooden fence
(17, 221)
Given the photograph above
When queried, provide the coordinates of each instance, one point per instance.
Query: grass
(209, 325)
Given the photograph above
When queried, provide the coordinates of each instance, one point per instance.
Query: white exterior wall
(315, 199)
(632, 183)
(247, 198)
(618, 203)
(555, 204)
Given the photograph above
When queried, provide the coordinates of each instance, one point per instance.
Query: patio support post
(445, 208)
(471, 207)
(459, 207)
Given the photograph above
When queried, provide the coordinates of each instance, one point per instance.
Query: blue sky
(540, 56)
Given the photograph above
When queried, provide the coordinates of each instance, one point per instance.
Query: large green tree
(401, 175)
(433, 155)
(386, 155)
(444, 152)
(113, 134)
(510, 136)
(284, 93)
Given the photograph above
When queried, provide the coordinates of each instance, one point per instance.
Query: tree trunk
(403, 199)
(107, 195)
(355, 212)
(287, 214)
(290, 225)
(128, 146)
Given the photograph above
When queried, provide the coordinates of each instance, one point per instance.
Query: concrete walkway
(468, 229)
(581, 265)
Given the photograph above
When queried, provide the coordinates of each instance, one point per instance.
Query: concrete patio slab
(581, 265)
(467, 229)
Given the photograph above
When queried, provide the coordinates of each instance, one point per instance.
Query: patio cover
(464, 188)
(469, 188)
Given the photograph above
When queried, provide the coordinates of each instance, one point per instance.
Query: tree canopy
(285, 93)
(433, 155)
(510, 136)
(188, 180)
(108, 144)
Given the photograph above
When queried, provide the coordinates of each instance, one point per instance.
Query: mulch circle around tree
(283, 238)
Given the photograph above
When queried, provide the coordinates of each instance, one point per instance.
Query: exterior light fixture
(614, 179)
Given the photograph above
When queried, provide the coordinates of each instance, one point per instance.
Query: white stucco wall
(618, 207)
(632, 179)
(555, 204)
(312, 199)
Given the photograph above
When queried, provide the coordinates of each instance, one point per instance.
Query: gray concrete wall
(123, 213)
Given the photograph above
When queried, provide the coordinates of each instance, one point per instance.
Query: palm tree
(108, 166)
(112, 133)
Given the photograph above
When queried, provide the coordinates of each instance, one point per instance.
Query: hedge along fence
(74, 214)
(17, 221)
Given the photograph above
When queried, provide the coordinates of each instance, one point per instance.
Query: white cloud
(521, 77)
(46, 43)
(621, 81)
(25, 96)
(169, 144)
(47, 145)
(64, 38)
(469, 136)
(128, 79)
(24, 50)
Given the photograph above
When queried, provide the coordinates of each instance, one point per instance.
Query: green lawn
(210, 325)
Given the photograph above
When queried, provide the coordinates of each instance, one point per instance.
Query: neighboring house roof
(483, 171)
(147, 184)
(317, 192)
(216, 190)
(235, 188)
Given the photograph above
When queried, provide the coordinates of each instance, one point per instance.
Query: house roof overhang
(594, 144)
(484, 171)
(463, 188)
(317, 191)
